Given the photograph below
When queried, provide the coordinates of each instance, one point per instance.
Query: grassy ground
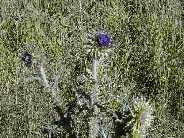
(147, 59)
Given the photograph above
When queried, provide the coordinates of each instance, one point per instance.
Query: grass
(147, 60)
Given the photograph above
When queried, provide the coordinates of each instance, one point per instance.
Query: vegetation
(74, 88)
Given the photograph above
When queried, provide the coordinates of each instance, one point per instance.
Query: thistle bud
(27, 58)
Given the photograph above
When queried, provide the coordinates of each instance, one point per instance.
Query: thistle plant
(97, 48)
(138, 118)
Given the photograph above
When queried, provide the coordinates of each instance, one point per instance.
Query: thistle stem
(94, 127)
(94, 74)
(43, 77)
(51, 90)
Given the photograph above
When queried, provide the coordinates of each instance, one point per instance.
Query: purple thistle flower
(103, 40)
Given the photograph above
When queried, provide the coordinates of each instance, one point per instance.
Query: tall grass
(146, 60)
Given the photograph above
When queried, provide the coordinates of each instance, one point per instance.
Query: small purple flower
(103, 40)
(27, 58)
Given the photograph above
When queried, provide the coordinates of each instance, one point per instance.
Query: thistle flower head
(143, 115)
(103, 39)
(27, 58)
(98, 42)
